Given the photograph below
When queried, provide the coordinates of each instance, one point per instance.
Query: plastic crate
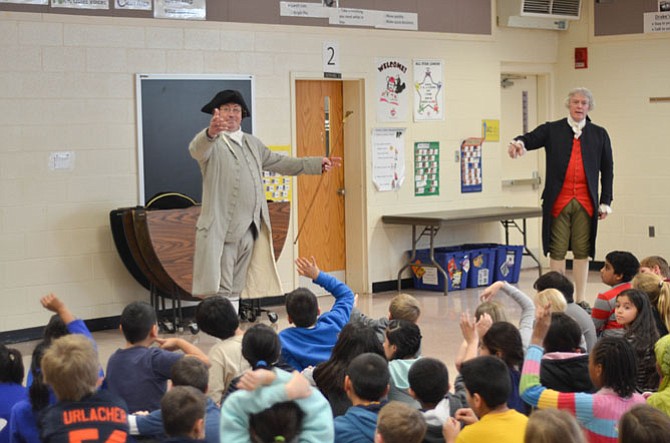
(508, 263)
(453, 260)
(482, 263)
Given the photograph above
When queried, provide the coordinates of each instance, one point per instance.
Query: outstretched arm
(56, 305)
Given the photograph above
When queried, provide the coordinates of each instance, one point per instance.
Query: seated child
(655, 265)
(620, 268)
(429, 384)
(25, 414)
(183, 411)
(281, 422)
(401, 307)
(564, 366)
(553, 426)
(403, 341)
(366, 384)
(12, 390)
(70, 366)
(613, 371)
(644, 423)
(185, 372)
(661, 399)
(489, 419)
(658, 291)
(216, 316)
(354, 339)
(312, 339)
(139, 373)
(399, 423)
(262, 388)
(556, 280)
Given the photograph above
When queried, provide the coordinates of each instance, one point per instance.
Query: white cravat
(236, 136)
(576, 126)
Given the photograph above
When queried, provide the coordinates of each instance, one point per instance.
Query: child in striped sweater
(613, 370)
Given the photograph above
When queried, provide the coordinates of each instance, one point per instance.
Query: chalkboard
(168, 110)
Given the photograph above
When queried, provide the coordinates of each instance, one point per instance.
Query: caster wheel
(273, 317)
(167, 326)
(193, 327)
(252, 318)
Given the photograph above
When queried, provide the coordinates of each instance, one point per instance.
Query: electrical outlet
(652, 231)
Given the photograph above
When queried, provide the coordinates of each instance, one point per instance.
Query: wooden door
(321, 227)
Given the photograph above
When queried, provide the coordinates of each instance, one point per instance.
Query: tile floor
(439, 320)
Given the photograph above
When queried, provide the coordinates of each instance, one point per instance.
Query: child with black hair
(619, 269)
(613, 371)
(185, 372)
(262, 388)
(399, 423)
(429, 384)
(313, 336)
(216, 316)
(556, 280)
(644, 424)
(489, 419)
(24, 416)
(633, 311)
(565, 368)
(70, 367)
(183, 411)
(503, 340)
(12, 390)
(403, 341)
(354, 339)
(281, 422)
(139, 372)
(366, 384)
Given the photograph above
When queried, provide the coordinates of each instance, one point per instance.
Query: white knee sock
(580, 274)
(557, 265)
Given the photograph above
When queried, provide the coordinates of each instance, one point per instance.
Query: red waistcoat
(574, 184)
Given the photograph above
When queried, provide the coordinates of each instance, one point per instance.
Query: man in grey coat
(233, 243)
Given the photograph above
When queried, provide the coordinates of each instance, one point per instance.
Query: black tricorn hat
(223, 97)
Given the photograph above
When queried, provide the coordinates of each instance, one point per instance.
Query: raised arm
(190, 350)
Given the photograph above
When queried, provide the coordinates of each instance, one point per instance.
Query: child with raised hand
(403, 341)
(619, 269)
(401, 307)
(313, 336)
(661, 398)
(12, 390)
(644, 424)
(613, 370)
(553, 426)
(633, 312)
(658, 291)
(262, 388)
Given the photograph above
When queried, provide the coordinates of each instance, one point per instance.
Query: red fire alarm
(581, 58)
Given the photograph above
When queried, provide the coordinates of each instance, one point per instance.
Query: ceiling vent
(538, 14)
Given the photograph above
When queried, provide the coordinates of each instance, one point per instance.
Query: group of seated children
(560, 375)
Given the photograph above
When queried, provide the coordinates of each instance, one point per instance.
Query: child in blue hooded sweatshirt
(366, 385)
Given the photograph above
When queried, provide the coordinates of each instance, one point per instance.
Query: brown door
(321, 198)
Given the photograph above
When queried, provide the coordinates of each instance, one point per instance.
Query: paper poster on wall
(138, 5)
(388, 158)
(428, 94)
(426, 168)
(278, 187)
(181, 9)
(392, 93)
(471, 165)
(491, 130)
(80, 4)
(27, 2)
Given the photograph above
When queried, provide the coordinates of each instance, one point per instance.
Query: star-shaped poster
(428, 94)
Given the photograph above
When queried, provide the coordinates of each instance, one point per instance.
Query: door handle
(341, 191)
